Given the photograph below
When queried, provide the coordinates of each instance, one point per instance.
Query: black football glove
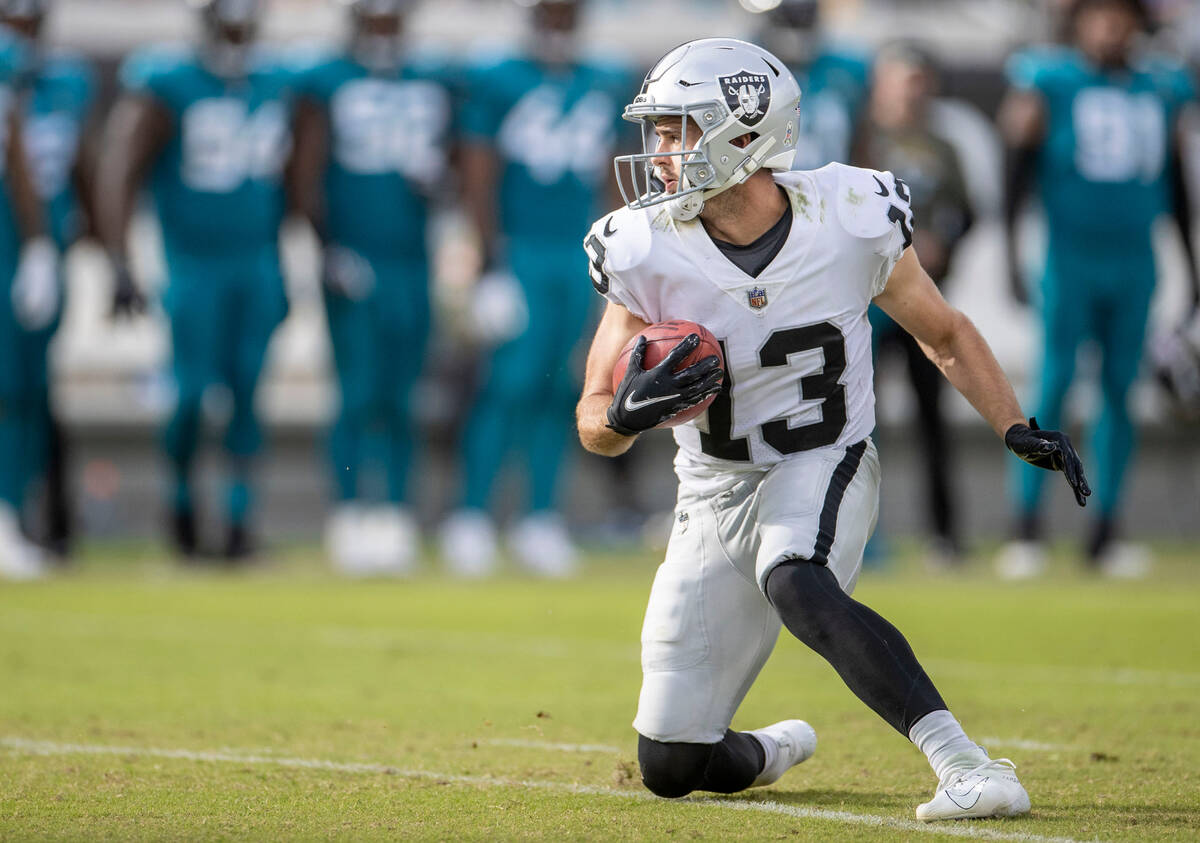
(646, 398)
(1050, 450)
(127, 299)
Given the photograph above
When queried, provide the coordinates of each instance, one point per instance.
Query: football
(660, 339)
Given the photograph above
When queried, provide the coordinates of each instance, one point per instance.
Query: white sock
(770, 750)
(945, 744)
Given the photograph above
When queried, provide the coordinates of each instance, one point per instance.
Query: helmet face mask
(727, 89)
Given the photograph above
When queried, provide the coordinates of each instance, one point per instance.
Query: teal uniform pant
(24, 402)
(379, 345)
(1086, 296)
(222, 312)
(525, 410)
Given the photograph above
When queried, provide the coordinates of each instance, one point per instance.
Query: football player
(835, 81)
(29, 304)
(372, 140)
(897, 135)
(58, 90)
(1097, 127)
(778, 479)
(208, 129)
(539, 131)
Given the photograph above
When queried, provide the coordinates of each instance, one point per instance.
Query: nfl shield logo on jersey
(757, 297)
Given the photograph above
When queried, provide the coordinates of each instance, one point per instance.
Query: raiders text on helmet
(728, 88)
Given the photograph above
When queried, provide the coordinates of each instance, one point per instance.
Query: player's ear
(743, 141)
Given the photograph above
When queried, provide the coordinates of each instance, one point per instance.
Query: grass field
(142, 701)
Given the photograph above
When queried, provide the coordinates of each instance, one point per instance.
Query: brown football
(660, 339)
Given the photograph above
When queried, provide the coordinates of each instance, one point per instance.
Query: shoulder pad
(871, 204)
(616, 245)
(147, 64)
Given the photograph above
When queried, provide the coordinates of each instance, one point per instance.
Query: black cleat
(239, 546)
(183, 533)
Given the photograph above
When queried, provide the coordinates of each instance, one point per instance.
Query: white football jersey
(796, 340)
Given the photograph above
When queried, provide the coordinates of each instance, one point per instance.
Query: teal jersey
(833, 90)
(555, 131)
(389, 143)
(218, 184)
(61, 90)
(1103, 165)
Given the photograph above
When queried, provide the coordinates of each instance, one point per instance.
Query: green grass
(451, 697)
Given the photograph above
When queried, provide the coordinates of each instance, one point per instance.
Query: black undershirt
(754, 257)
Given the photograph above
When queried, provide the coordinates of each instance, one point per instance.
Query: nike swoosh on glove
(1050, 450)
(646, 398)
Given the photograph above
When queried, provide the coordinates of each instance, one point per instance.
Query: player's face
(669, 132)
(27, 26)
(900, 88)
(1105, 32)
(555, 18)
(379, 26)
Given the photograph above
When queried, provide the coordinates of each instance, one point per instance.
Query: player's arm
(138, 129)
(1182, 210)
(955, 345)
(306, 168)
(34, 294)
(591, 415)
(1022, 121)
(27, 206)
(479, 171)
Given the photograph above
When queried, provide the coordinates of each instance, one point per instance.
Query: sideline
(18, 745)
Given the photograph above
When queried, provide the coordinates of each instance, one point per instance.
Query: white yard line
(1031, 746)
(559, 747)
(26, 746)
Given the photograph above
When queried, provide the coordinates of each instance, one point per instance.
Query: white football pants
(709, 627)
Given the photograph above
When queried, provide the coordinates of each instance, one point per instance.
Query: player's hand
(36, 293)
(646, 398)
(346, 273)
(127, 299)
(1050, 450)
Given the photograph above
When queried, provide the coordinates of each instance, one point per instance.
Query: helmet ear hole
(743, 141)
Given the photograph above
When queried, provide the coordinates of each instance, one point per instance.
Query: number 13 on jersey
(823, 386)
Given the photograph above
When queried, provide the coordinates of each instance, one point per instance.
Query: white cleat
(20, 559)
(543, 546)
(989, 790)
(396, 539)
(785, 744)
(345, 542)
(469, 544)
(1125, 561)
(1021, 560)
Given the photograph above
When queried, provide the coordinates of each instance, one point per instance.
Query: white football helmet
(729, 88)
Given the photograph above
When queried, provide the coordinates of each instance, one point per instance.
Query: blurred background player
(539, 130)
(209, 128)
(58, 92)
(896, 135)
(834, 81)
(372, 144)
(29, 299)
(1096, 124)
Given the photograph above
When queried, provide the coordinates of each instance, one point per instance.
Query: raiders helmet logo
(748, 95)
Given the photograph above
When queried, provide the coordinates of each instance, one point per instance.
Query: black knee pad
(809, 599)
(672, 770)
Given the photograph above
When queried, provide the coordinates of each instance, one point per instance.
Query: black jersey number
(820, 386)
